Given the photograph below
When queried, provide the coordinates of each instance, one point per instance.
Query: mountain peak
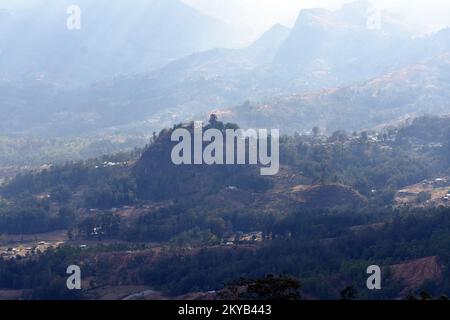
(357, 13)
(350, 14)
(361, 8)
(276, 28)
(314, 17)
(265, 48)
(275, 32)
(335, 37)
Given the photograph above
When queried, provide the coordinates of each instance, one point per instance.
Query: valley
(259, 86)
(121, 152)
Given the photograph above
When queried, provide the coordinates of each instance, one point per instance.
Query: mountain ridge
(141, 36)
(412, 91)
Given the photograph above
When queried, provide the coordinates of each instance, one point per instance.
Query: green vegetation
(32, 151)
(325, 263)
(267, 288)
(344, 220)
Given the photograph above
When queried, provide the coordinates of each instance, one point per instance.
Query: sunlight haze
(256, 16)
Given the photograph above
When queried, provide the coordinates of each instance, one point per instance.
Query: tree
(268, 288)
(213, 118)
(424, 295)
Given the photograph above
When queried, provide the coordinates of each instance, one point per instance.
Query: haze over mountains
(114, 39)
(415, 90)
(86, 178)
(345, 62)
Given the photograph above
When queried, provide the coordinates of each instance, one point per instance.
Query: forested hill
(316, 171)
(336, 196)
(158, 178)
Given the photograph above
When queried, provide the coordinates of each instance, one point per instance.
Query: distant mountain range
(114, 38)
(184, 88)
(334, 69)
(416, 90)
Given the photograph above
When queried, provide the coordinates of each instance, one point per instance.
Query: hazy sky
(259, 15)
(254, 17)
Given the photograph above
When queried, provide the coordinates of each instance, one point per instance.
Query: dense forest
(322, 239)
(375, 165)
(332, 251)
